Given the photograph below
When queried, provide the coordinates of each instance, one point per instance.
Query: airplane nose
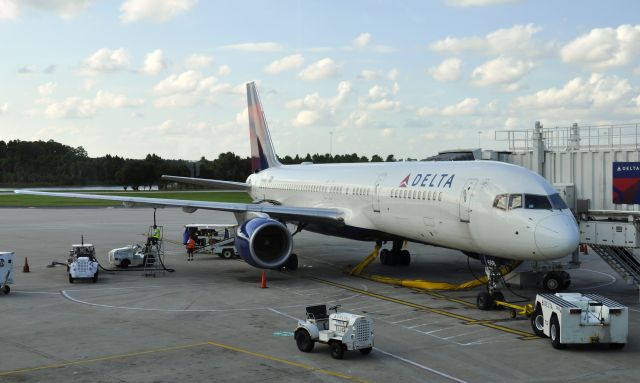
(557, 236)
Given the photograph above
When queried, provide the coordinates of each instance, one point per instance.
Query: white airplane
(486, 209)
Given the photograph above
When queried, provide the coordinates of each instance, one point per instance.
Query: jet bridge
(579, 162)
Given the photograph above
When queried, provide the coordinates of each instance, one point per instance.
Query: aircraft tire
(6, 289)
(384, 256)
(292, 262)
(552, 282)
(484, 301)
(405, 258)
(497, 296)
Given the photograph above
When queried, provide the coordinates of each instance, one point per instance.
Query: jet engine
(264, 242)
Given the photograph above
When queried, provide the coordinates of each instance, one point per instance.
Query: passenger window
(500, 202)
(439, 196)
(515, 201)
(429, 197)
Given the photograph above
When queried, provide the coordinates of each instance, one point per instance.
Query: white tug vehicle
(82, 263)
(574, 318)
(341, 331)
(123, 257)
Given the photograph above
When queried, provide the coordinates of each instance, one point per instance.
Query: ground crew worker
(156, 234)
(191, 246)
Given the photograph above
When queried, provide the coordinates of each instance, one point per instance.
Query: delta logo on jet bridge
(428, 180)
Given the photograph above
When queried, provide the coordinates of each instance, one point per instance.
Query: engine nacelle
(264, 242)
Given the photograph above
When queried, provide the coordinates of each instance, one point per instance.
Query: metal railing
(575, 137)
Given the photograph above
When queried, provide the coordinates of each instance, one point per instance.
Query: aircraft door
(376, 193)
(465, 199)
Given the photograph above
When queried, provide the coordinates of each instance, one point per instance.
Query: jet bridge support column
(538, 150)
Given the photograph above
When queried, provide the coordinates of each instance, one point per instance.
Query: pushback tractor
(341, 331)
(574, 318)
(82, 263)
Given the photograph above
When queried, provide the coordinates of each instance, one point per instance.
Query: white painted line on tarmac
(421, 366)
(284, 314)
(405, 320)
(612, 280)
(34, 292)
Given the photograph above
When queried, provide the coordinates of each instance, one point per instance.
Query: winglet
(263, 155)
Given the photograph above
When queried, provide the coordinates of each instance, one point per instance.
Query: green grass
(23, 200)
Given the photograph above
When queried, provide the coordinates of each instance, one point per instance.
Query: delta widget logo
(405, 181)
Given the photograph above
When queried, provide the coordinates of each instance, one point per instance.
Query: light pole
(479, 135)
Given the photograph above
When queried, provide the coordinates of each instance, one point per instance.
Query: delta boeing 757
(489, 210)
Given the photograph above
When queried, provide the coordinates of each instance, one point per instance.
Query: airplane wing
(215, 184)
(287, 213)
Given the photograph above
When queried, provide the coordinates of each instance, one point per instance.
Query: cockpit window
(515, 201)
(500, 202)
(557, 202)
(532, 201)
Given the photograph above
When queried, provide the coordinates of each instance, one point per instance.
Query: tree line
(50, 163)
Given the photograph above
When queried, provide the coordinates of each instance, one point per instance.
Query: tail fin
(263, 155)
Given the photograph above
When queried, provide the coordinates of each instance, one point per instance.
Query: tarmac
(210, 320)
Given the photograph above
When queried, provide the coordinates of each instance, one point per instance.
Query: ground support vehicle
(218, 239)
(574, 318)
(6, 271)
(341, 331)
(82, 263)
(132, 255)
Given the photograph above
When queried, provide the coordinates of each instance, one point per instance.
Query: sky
(409, 78)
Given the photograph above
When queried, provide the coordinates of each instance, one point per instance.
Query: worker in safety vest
(191, 246)
(155, 236)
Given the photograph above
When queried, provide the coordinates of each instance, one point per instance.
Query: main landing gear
(486, 300)
(396, 256)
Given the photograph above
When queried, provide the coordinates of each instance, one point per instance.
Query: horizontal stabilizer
(215, 184)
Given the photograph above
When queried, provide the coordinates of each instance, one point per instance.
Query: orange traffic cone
(263, 285)
(25, 268)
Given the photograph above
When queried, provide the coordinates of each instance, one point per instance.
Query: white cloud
(501, 71)
(395, 88)
(45, 90)
(306, 118)
(106, 60)
(385, 104)
(255, 47)
(154, 62)
(377, 92)
(286, 63)
(368, 75)
(185, 82)
(393, 74)
(319, 70)
(386, 132)
(597, 92)
(359, 119)
(480, 3)
(344, 89)
(107, 100)
(604, 48)
(224, 70)
(517, 39)
(76, 107)
(637, 71)
(4, 108)
(199, 61)
(10, 9)
(465, 107)
(448, 70)
(156, 10)
(315, 102)
(362, 40)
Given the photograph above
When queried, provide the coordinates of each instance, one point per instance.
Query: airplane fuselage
(463, 205)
